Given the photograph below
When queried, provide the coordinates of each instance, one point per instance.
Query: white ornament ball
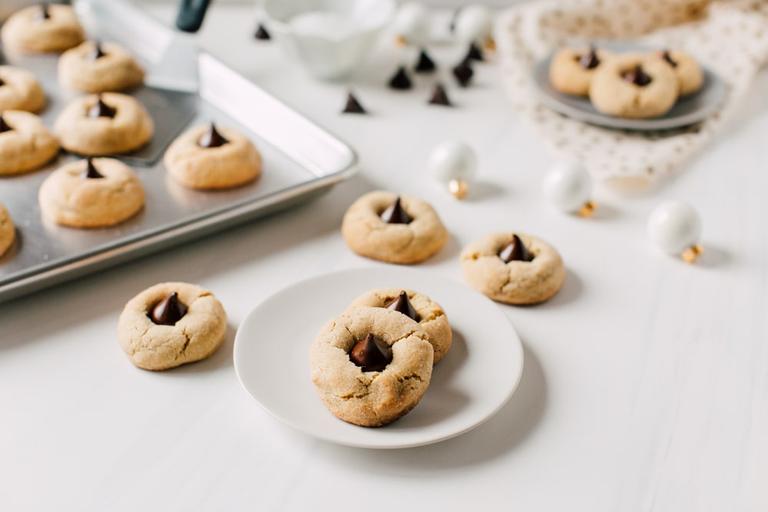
(473, 23)
(568, 186)
(411, 22)
(453, 160)
(674, 226)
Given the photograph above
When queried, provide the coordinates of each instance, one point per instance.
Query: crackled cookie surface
(689, 75)
(371, 366)
(104, 124)
(213, 157)
(20, 90)
(416, 306)
(571, 70)
(99, 67)
(42, 28)
(171, 324)
(7, 230)
(514, 268)
(25, 142)
(91, 194)
(396, 229)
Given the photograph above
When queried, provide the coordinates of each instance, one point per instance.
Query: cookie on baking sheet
(209, 157)
(634, 86)
(417, 306)
(371, 366)
(689, 75)
(396, 229)
(514, 268)
(171, 324)
(99, 67)
(42, 28)
(91, 194)
(571, 70)
(20, 90)
(105, 124)
(7, 231)
(25, 143)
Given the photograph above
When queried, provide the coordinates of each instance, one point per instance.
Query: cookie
(20, 90)
(689, 75)
(571, 70)
(25, 143)
(99, 67)
(371, 366)
(171, 324)
(208, 157)
(634, 86)
(418, 307)
(42, 29)
(91, 194)
(514, 268)
(104, 124)
(396, 229)
(7, 231)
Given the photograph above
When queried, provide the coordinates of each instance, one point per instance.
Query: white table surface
(646, 380)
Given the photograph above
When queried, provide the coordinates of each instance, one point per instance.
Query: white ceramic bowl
(298, 26)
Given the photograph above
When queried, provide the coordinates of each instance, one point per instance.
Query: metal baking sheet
(300, 160)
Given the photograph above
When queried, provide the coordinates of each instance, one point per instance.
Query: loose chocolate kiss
(4, 127)
(101, 109)
(212, 138)
(402, 305)
(395, 214)
(371, 354)
(515, 251)
(353, 106)
(668, 57)
(637, 76)
(463, 73)
(439, 96)
(474, 53)
(262, 33)
(91, 172)
(425, 64)
(400, 80)
(589, 60)
(97, 52)
(168, 311)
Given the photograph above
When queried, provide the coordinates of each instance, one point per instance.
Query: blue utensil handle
(191, 14)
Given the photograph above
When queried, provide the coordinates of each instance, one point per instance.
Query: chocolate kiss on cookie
(211, 138)
(2, 82)
(45, 13)
(168, 311)
(4, 127)
(91, 172)
(402, 305)
(97, 52)
(589, 60)
(395, 214)
(371, 354)
(101, 109)
(637, 76)
(668, 57)
(515, 251)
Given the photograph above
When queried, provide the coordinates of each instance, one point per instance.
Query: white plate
(472, 382)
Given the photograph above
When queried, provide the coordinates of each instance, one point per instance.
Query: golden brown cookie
(7, 231)
(42, 28)
(571, 70)
(20, 90)
(689, 75)
(25, 143)
(99, 67)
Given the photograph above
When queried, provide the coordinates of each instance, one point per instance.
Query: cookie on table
(20, 90)
(416, 306)
(92, 193)
(571, 69)
(99, 67)
(689, 75)
(171, 324)
(25, 143)
(105, 124)
(634, 86)
(397, 229)
(513, 268)
(7, 231)
(371, 366)
(42, 28)
(209, 157)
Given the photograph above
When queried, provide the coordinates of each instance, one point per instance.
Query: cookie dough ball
(99, 67)
(104, 124)
(171, 324)
(513, 268)
(209, 157)
(416, 306)
(396, 229)
(7, 231)
(634, 86)
(42, 29)
(20, 90)
(25, 143)
(91, 194)
(571, 70)
(689, 75)
(371, 366)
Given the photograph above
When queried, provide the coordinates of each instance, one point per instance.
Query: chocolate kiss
(2, 82)
(353, 106)
(637, 76)
(91, 172)
(668, 57)
(168, 311)
(590, 59)
(395, 214)
(45, 12)
(101, 109)
(4, 127)
(97, 52)
(262, 33)
(400, 79)
(425, 64)
(439, 96)
(371, 354)
(463, 73)
(212, 138)
(402, 305)
(474, 53)
(515, 251)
